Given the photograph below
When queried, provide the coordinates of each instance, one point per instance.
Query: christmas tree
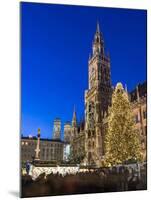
(122, 141)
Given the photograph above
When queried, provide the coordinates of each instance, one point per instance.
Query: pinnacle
(98, 28)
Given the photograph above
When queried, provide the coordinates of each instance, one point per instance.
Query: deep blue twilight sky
(55, 44)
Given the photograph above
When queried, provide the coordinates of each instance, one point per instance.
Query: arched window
(89, 134)
(89, 107)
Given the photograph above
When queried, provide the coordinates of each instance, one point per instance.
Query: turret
(98, 43)
(67, 132)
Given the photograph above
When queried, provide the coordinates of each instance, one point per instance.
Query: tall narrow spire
(98, 42)
(126, 91)
(125, 88)
(74, 118)
(74, 109)
(97, 27)
(137, 93)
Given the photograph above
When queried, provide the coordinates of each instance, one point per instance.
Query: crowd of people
(88, 181)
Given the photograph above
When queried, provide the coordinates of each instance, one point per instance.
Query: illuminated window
(22, 143)
(26, 143)
(90, 108)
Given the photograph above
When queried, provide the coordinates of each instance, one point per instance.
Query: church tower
(67, 132)
(57, 129)
(97, 99)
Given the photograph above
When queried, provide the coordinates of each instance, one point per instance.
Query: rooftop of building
(57, 119)
(42, 139)
(67, 123)
(142, 89)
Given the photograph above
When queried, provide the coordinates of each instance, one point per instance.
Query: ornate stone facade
(78, 144)
(85, 141)
(138, 98)
(97, 99)
(74, 135)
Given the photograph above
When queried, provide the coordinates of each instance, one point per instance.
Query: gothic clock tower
(97, 99)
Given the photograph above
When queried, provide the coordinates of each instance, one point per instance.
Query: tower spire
(137, 93)
(98, 42)
(97, 27)
(126, 91)
(74, 118)
(125, 88)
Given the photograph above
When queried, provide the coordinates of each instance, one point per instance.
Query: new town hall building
(90, 134)
(86, 139)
